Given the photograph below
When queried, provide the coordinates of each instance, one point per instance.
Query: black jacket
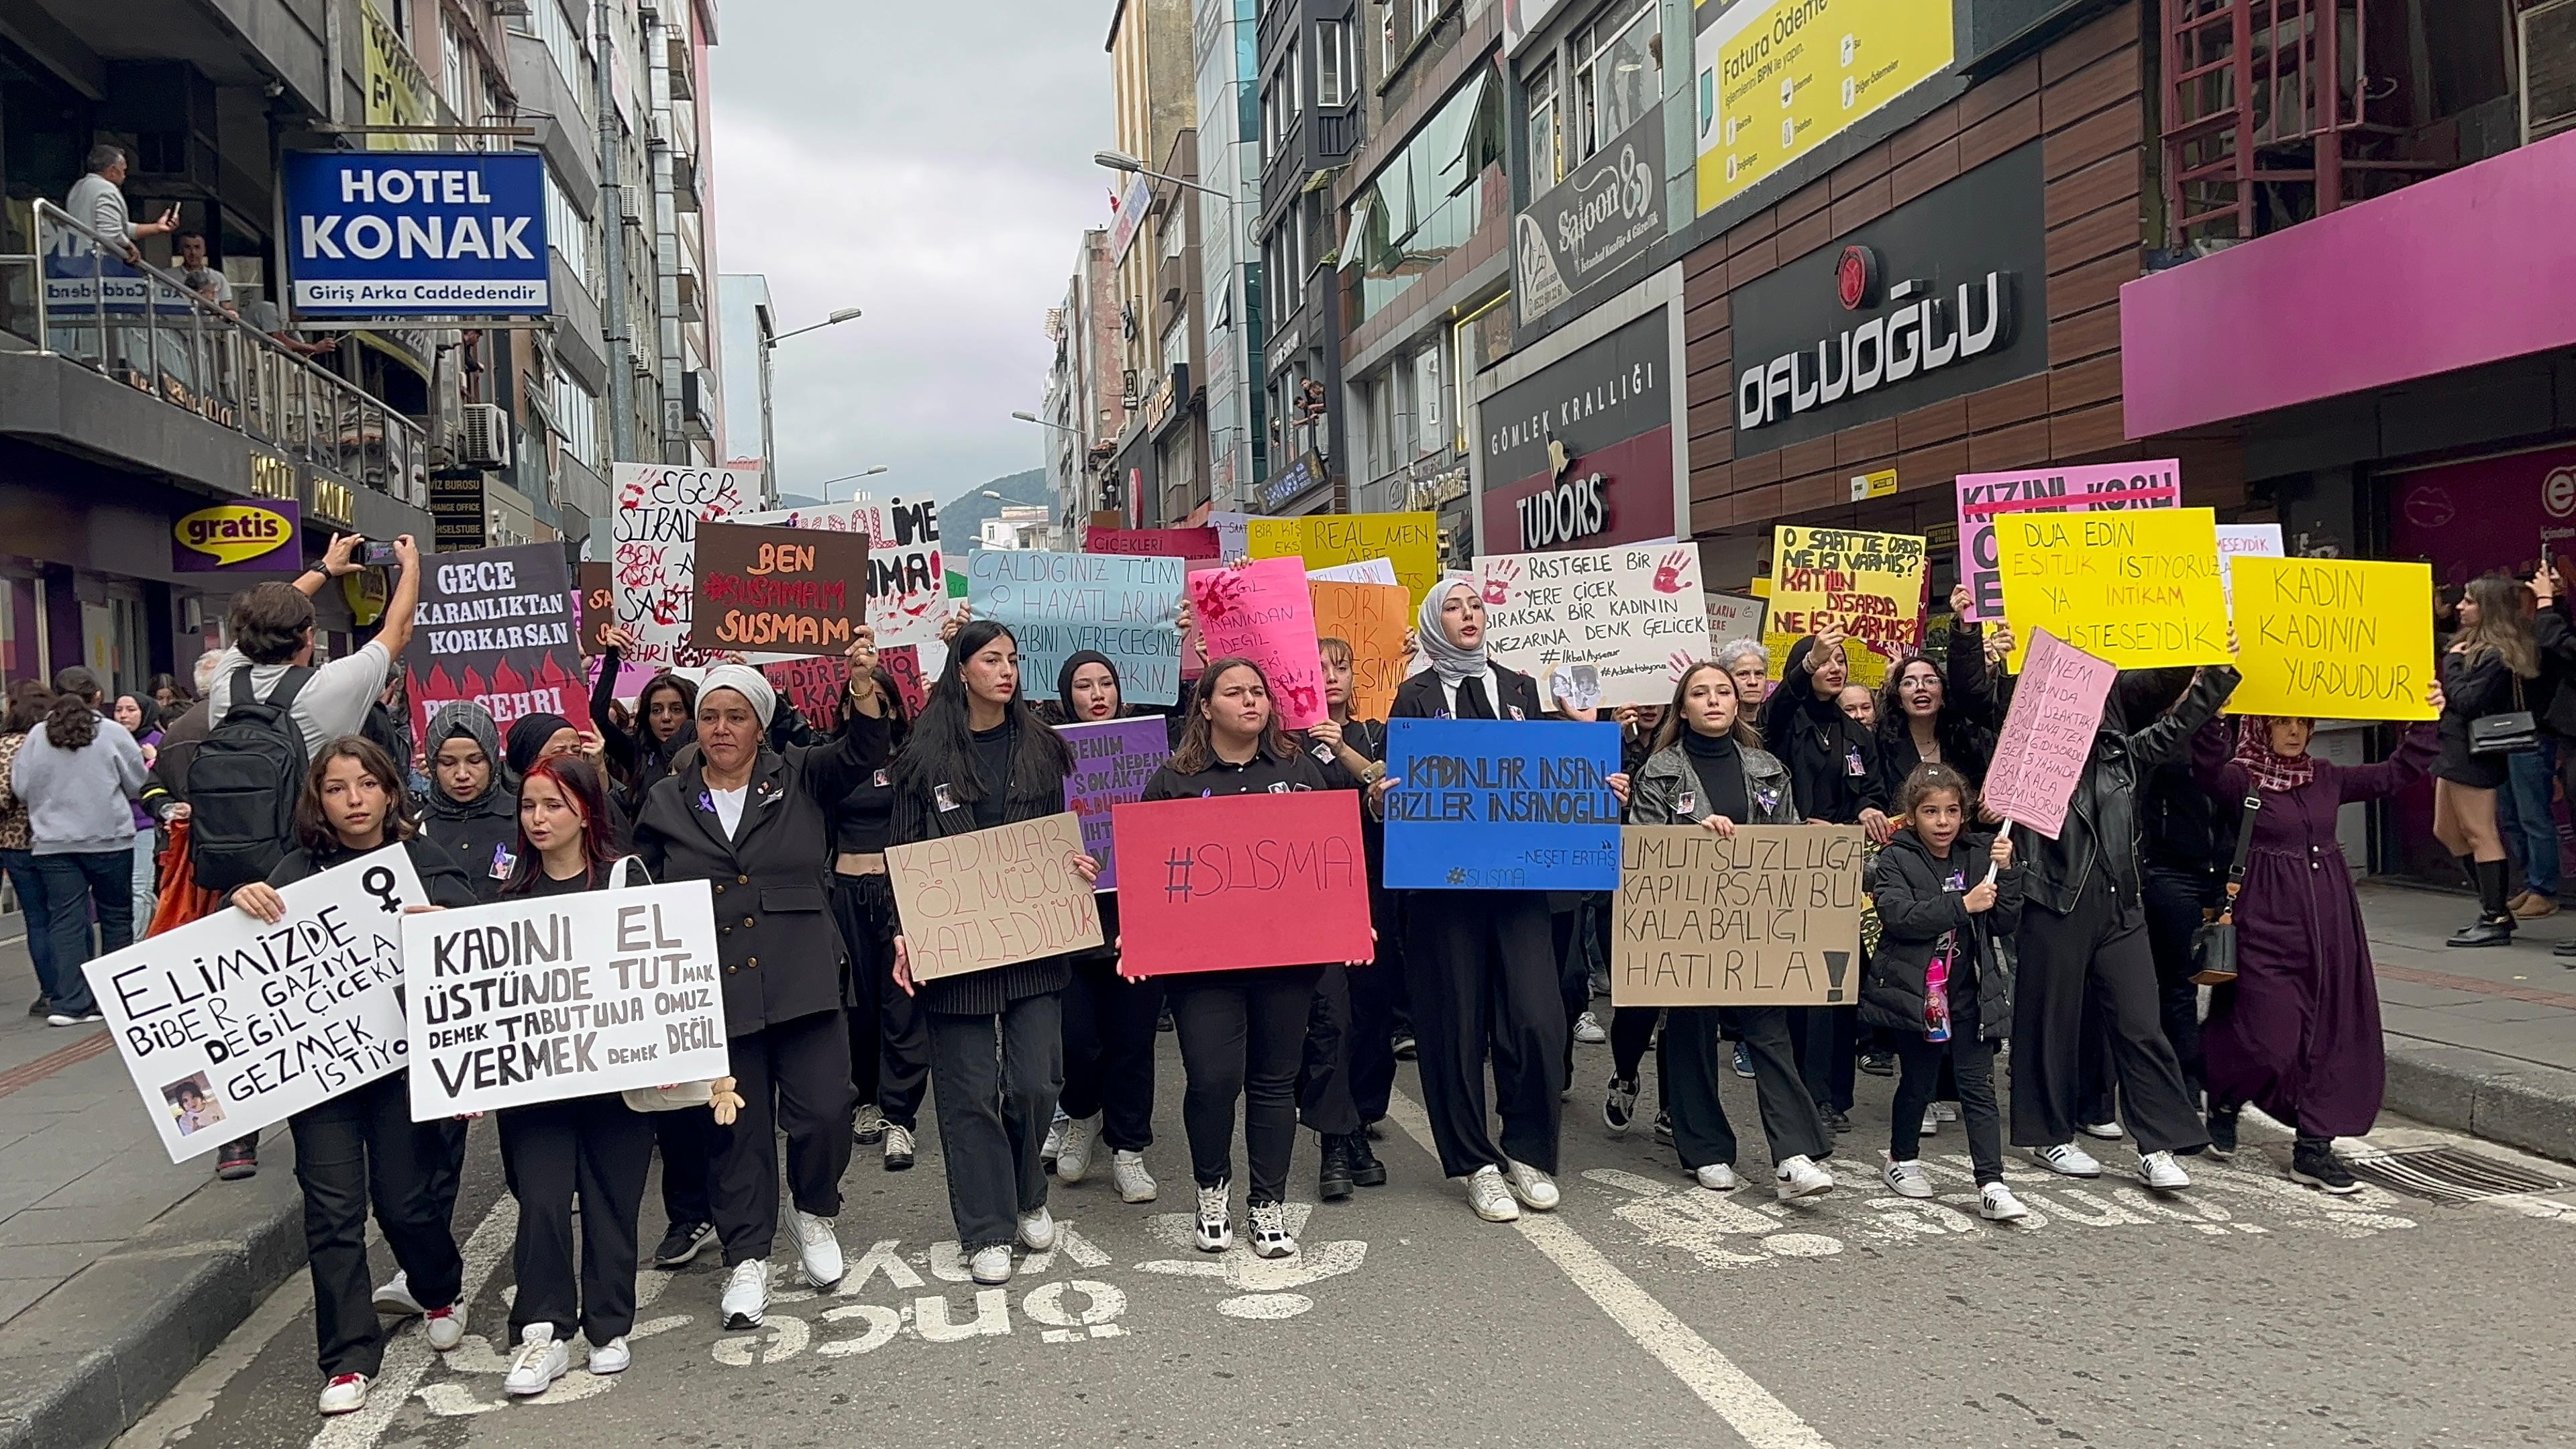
(1421, 696)
(1917, 911)
(1832, 758)
(481, 837)
(918, 817)
(1965, 727)
(2101, 830)
(781, 949)
(439, 873)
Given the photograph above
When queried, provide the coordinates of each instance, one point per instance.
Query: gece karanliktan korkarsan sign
(1770, 917)
(496, 627)
(778, 590)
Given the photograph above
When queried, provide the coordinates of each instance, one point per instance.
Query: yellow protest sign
(1869, 585)
(2139, 588)
(2331, 638)
(1409, 540)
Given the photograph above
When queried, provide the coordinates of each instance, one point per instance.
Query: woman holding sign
(666, 714)
(889, 1047)
(2484, 674)
(1350, 1037)
(362, 1144)
(469, 810)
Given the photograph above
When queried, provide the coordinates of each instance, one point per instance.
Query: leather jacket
(2101, 829)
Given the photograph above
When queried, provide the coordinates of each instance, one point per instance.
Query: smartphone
(377, 555)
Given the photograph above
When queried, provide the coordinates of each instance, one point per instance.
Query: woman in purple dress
(2298, 1033)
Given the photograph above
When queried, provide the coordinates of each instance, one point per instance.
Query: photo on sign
(193, 1105)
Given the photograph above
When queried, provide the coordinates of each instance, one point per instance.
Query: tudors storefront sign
(1607, 213)
(1941, 297)
(1581, 451)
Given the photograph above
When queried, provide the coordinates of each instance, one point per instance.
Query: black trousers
(1827, 1042)
(1350, 1047)
(997, 1078)
(794, 1077)
(889, 1042)
(1632, 1030)
(1693, 1055)
(1971, 1060)
(1109, 1031)
(2173, 900)
(599, 1150)
(1243, 1035)
(448, 1173)
(357, 1148)
(2100, 947)
(1481, 973)
(688, 1140)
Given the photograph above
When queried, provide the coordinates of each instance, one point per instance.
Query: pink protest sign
(1151, 542)
(1263, 613)
(2048, 733)
(2046, 490)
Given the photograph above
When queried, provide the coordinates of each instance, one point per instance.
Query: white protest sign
(907, 578)
(2235, 540)
(1635, 612)
(549, 997)
(1731, 618)
(658, 509)
(229, 1024)
(1366, 571)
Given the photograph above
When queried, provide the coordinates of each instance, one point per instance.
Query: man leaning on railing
(98, 201)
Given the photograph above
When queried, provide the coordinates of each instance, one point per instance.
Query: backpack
(243, 783)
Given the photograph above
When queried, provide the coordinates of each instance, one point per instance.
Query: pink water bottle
(1936, 998)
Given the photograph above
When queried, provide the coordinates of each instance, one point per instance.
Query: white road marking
(1751, 1410)
(408, 1354)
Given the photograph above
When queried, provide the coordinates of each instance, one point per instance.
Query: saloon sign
(1608, 212)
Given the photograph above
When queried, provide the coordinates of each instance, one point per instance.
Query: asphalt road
(1646, 1312)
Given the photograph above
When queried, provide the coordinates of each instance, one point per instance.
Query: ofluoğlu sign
(394, 233)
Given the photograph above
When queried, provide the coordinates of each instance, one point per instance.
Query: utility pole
(612, 226)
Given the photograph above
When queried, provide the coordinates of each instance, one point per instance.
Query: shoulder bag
(2514, 732)
(2213, 946)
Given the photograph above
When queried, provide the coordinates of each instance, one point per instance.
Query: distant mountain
(962, 522)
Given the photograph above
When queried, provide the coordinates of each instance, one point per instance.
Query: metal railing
(79, 299)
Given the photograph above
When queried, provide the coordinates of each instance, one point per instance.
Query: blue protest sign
(378, 233)
(1059, 604)
(1501, 805)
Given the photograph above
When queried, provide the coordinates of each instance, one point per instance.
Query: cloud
(932, 165)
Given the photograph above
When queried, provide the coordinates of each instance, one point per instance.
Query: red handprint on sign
(1303, 703)
(1500, 575)
(1668, 577)
(1217, 593)
(1679, 663)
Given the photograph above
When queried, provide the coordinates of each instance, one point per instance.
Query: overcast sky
(932, 165)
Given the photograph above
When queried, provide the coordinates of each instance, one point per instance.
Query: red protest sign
(1238, 881)
(814, 686)
(903, 664)
(2047, 737)
(1151, 542)
(778, 590)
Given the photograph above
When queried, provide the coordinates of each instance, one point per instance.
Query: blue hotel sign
(391, 233)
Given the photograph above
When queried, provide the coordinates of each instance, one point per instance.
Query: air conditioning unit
(2548, 69)
(483, 436)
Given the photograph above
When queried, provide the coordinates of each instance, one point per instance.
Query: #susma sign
(427, 234)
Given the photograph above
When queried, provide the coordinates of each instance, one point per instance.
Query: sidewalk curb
(2503, 1099)
(81, 1366)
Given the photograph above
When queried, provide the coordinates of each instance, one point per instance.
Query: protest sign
(1059, 604)
(2239, 540)
(1410, 541)
(1501, 805)
(1731, 618)
(1366, 571)
(907, 583)
(1244, 881)
(596, 583)
(229, 1024)
(1233, 534)
(1263, 613)
(987, 898)
(1770, 917)
(1112, 760)
(1634, 612)
(815, 685)
(2139, 589)
(1151, 542)
(2048, 732)
(655, 530)
(495, 626)
(1372, 619)
(778, 590)
(1985, 497)
(543, 998)
(903, 664)
(2329, 638)
(1869, 585)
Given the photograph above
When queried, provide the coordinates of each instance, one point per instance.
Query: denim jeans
(72, 883)
(2525, 818)
(36, 912)
(147, 880)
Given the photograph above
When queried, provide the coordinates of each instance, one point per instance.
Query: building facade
(1154, 98)
(1310, 120)
(1086, 407)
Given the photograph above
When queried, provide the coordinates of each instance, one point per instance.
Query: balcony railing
(140, 324)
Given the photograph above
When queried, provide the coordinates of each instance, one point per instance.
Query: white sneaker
(1931, 1123)
(2159, 1171)
(1216, 1218)
(1054, 1139)
(2106, 1131)
(346, 1394)
(991, 1267)
(898, 1148)
(1127, 1172)
(1996, 1204)
(539, 1363)
(1907, 1178)
(394, 1296)
(746, 1295)
(1718, 1177)
(869, 1126)
(1073, 1160)
(611, 1357)
(444, 1327)
(1946, 1111)
(1801, 1177)
(1037, 1230)
(1491, 1199)
(819, 1246)
(2068, 1159)
(1587, 1030)
(1270, 1237)
(1536, 1190)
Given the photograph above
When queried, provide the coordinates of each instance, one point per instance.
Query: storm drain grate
(2450, 1174)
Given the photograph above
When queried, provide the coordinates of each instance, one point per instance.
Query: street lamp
(1041, 422)
(826, 484)
(1121, 161)
(846, 314)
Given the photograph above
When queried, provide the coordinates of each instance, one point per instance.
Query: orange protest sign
(1371, 618)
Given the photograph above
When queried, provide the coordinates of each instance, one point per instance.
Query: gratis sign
(394, 233)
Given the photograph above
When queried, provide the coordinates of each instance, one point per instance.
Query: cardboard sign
(2243, 540)
(229, 1025)
(1151, 542)
(907, 581)
(2047, 738)
(2326, 638)
(2137, 589)
(1985, 497)
(655, 529)
(596, 583)
(1263, 613)
(778, 590)
(988, 898)
(1059, 604)
(1635, 612)
(541, 998)
(1731, 618)
(1366, 571)
(1112, 760)
(495, 626)
(903, 663)
(1869, 585)
(1232, 882)
(1501, 805)
(1769, 918)
(1410, 541)
(1372, 619)
(816, 686)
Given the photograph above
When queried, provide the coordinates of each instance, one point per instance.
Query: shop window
(1477, 341)
(1618, 74)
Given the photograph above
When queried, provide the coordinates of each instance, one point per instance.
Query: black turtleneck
(1720, 768)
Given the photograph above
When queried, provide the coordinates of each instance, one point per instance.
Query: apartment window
(1176, 230)
(1546, 119)
(1426, 13)
(576, 417)
(1279, 106)
(1618, 73)
(1336, 77)
(453, 58)
(565, 40)
(568, 232)
(1429, 197)
(1176, 343)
